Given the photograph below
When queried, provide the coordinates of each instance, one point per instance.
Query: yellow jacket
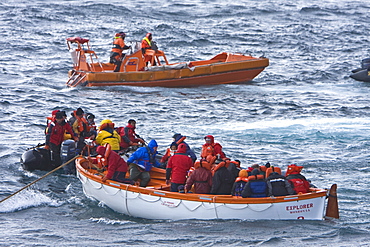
(104, 137)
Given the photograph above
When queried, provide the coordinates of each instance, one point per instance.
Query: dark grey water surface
(302, 109)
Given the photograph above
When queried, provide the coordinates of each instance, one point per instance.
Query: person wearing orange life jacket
(239, 183)
(256, 186)
(298, 182)
(116, 53)
(201, 178)
(107, 134)
(177, 168)
(146, 44)
(223, 180)
(79, 127)
(129, 136)
(169, 152)
(212, 148)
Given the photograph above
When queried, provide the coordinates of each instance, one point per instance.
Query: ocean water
(302, 109)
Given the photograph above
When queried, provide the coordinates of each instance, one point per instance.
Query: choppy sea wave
(302, 109)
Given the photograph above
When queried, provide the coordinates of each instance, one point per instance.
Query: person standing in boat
(177, 139)
(177, 168)
(55, 136)
(107, 134)
(79, 127)
(212, 148)
(146, 44)
(91, 126)
(128, 135)
(142, 161)
(119, 45)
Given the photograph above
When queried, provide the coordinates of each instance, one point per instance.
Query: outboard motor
(365, 63)
(68, 151)
(37, 159)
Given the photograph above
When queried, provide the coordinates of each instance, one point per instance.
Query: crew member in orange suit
(116, 56)
(146, 44)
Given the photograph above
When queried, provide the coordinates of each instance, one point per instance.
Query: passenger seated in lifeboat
(212, 148)
(256, 186)
(116, 166)
(223, 180)
(107, 134)
(177, 168)
(234, 168)
(298, 182)
(258, 167)
(278, 185)
(240, 183)
(169, 152)
(142, 161)
(200, 179)
(129, 138)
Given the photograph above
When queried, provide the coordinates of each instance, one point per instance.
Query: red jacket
(127, 135)
(202, 180)
(178, 165)
(114, 162)
(55, 133)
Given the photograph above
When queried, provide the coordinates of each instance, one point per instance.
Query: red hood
(181, 148)
(210, 137)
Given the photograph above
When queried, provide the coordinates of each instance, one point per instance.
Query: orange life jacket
(82, 123)
(272, 169)
(207, 150)
(103, 161)
(118, 45)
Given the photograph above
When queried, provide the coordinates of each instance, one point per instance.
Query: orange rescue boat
(223, 68)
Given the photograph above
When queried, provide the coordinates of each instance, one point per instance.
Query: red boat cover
(77, 40)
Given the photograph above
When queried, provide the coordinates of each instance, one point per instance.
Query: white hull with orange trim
(157, 202)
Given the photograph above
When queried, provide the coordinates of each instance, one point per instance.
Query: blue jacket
(255, 188)
(144, 157)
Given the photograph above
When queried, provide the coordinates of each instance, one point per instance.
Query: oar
(47, 174)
